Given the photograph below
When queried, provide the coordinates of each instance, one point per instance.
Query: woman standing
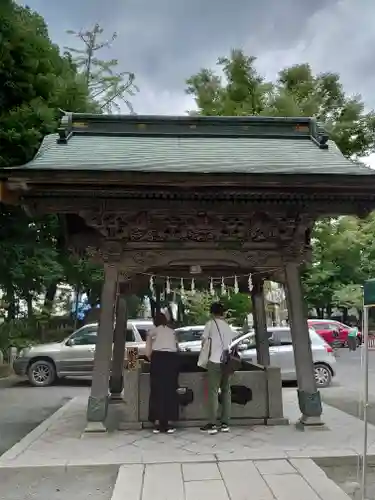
(161, 349)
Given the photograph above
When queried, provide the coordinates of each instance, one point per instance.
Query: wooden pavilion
(156, 195)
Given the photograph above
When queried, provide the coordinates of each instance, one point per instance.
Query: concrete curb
(35, 434)
(130, 461)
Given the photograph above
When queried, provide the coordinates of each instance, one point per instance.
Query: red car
(333, 332)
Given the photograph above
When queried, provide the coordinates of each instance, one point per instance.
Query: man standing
(221, 336)
(353, 337)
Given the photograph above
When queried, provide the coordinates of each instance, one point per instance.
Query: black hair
(160, 319)
(217, 309)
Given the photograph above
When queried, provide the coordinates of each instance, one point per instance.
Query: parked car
(74, 356)
(333, 332)
(189, 337)
(281, 353)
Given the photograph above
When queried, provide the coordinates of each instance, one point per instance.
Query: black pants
(163, 404)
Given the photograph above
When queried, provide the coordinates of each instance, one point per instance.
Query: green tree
(238, 306)
(348, 297)
(343, 249)
(197, 307)
(337, 261)
(108, 86)
(35, 82)
(242, 91)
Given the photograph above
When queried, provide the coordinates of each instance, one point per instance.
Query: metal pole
(365, 402)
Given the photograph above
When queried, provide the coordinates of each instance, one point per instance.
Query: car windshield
(316, 339)
(189, 334)
(247, 340)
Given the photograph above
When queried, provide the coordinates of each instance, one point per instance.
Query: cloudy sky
(165, 41)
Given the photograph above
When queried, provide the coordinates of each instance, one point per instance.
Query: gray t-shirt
(163, 339)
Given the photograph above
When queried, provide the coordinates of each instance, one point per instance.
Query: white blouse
(163, 339)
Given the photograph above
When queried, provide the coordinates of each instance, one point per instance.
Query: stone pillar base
(92, 427)
(116, 397)
(97, 409)
(310, 405)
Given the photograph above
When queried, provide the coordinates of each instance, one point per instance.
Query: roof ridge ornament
(267, 127)
(318, 134)
(65, 129)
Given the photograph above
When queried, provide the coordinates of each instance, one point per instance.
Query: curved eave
(24, 177)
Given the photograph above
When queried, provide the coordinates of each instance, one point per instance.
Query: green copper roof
(193, 144)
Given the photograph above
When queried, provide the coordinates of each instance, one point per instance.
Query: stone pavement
(60, 441)
(193, 464)
(294, 479)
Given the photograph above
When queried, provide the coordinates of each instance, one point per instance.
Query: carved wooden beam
(100, 202)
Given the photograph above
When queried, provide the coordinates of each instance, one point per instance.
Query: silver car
(74, 356)
(281, 352)
(189, 337)
(282, 355)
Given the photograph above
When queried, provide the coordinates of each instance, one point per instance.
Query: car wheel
(42, 373)
(323, 375)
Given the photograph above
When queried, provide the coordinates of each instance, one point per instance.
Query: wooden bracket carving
(209, 227)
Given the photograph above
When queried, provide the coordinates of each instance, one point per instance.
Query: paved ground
(24, 407)
(345, 393)
(189, 467)
(249, 479)
(60, 441)
(267, 463)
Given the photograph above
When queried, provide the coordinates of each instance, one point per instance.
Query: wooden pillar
(260, 321)
(98, 400)
(116, 383)
(308, 395)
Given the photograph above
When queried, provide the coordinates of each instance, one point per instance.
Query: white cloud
(151, 101)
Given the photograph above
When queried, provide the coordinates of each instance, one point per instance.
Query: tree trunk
(329, 310)
(11, 304)
(76, 304)
(345, 315)
(29, 301)
(50, 296)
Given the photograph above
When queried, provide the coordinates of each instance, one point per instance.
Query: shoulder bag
(230, 359)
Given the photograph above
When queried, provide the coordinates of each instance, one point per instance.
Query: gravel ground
(58, 483)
